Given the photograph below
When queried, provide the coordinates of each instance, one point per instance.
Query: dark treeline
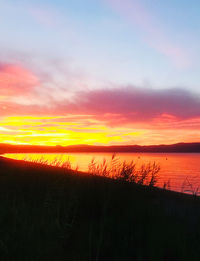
(179, 147)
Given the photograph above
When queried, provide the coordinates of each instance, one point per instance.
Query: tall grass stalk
(147, 174)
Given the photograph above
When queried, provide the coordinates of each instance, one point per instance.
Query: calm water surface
(182, 170)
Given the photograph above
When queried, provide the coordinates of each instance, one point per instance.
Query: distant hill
(179, 147)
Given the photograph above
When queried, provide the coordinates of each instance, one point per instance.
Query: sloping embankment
(47, 213)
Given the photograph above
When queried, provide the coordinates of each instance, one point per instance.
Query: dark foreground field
(48, 213)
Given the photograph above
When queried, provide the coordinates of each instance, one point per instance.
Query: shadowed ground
(47, 213)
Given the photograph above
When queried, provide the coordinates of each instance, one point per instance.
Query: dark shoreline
(173, 148)
(48, 213)
(81, 174)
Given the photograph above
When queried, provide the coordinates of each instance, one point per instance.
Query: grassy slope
(48, 213)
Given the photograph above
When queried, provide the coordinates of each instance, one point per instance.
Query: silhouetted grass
(48, 213)
(188, 187)
(147, 174)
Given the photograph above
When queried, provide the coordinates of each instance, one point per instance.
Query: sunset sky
(99, 72)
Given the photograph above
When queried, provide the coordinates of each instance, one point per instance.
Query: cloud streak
(36, 92)
(142, 104)
(133, 105)
(32, 103)
(122, 105)
(137, 15)
(108, 116)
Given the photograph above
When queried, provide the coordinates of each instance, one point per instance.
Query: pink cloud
(16, 80)
(136, 14)
(119, 107)
(136, 106)
(140, 103)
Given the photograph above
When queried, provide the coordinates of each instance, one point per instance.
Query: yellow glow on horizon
(50, 131)
(75, 129)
